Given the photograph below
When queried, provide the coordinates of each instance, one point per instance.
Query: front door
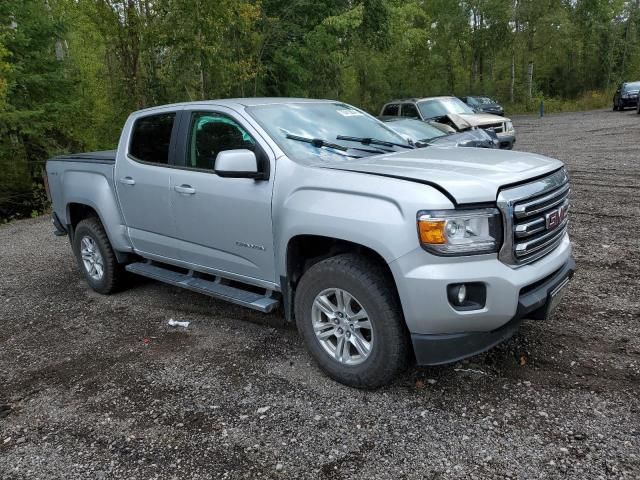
(223, 224)
(142, 180)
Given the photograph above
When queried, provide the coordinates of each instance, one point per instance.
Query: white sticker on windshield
(349, 113)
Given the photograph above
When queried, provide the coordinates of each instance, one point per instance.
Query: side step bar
(262, 303)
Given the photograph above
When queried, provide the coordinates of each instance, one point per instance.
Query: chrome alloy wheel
(342, 326)
(92, 258)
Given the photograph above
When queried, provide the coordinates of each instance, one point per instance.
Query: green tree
(37, 101)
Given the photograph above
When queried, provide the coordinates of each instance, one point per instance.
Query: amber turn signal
(432, 232)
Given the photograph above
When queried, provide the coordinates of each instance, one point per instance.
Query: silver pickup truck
(381, 253)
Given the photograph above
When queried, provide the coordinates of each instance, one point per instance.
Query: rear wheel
(351, 322)
(96, 258)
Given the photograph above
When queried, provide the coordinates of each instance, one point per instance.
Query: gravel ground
(101, 387)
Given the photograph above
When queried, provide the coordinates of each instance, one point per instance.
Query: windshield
(485, 101)
(416, 130)
(443, 106)
(323, 121)
(632, 86)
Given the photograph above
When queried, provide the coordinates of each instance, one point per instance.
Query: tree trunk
(513, 77)
(530, 80)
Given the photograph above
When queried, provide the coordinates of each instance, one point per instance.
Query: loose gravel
(102, 387)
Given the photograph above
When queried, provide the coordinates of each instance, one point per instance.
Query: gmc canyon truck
(381, 253)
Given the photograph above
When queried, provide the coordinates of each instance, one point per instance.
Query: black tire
(370, 284)
(113, 275)
(638, 107)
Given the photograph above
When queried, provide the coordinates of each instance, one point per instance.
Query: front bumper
(422, 280)
(507, 140)
(628, 102)
(447, 348)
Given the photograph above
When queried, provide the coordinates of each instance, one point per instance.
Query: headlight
(508, 126)
(460, 232)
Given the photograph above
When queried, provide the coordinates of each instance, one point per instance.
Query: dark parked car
(482, 103)
(626, 95)
(422, 134)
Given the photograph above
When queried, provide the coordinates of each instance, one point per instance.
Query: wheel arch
(305, 250)
(92, 194)
(78, 211)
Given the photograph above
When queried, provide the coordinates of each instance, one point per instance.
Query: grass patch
(592, 100)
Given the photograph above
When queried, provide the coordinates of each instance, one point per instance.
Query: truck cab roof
(237, 102)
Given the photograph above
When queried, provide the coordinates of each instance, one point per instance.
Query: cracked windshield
(326, 131)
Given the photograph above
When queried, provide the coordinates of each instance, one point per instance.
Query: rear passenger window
(410, 110)
(151, 138)
(391, 110)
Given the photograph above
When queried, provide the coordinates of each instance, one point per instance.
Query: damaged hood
(483, 119)
(469, 175)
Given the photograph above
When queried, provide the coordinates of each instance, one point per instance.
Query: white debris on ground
(176, 323)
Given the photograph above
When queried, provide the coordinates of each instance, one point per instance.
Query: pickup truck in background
(380, 252)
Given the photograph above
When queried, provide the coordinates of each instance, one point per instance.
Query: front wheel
(350, 319)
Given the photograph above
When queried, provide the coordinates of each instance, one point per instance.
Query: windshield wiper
(373, 141)
(317, 142)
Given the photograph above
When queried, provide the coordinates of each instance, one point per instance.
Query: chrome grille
(535, 219)
(496, 127)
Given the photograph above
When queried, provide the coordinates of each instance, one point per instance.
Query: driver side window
(212, 133)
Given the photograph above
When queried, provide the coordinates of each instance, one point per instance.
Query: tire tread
(377, 281)
(114, 272)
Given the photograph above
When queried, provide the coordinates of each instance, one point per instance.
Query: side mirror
(241, 163)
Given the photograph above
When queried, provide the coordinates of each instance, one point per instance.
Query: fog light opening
(467, 296)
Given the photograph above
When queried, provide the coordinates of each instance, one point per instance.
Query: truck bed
(87, 179)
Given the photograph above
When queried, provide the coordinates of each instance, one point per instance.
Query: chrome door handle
(185, 189)
(128, 181)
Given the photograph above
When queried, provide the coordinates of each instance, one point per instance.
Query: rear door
(223, 224)
(143, 180)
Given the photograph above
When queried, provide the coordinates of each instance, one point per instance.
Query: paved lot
(101, 387)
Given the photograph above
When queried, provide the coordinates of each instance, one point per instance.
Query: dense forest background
(72, 70)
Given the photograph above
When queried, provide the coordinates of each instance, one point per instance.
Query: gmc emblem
(555, 218)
